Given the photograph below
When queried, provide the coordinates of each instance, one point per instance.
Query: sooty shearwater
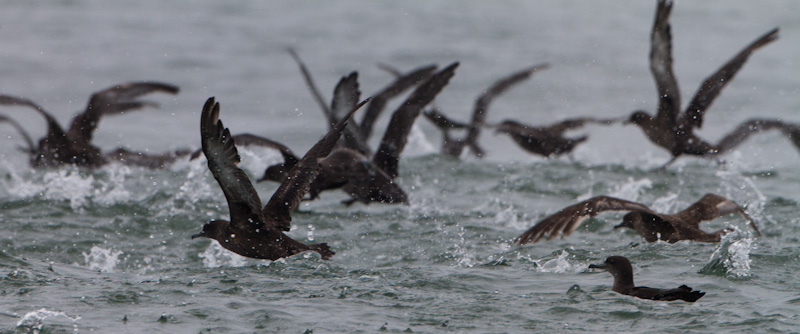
(653, 226)
(621, 269)
(672, 129)
(547, 140)
(455, 146)
(371, 180)
(346, 94)
(254, 231)
(74, 146)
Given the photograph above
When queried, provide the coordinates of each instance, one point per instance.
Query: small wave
(35, 320)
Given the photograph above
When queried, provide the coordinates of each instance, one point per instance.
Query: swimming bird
(620, 268)
(670, 128)
(371, 180)
(74, 146)
(455, 146)
(546, 140)
(254, 231)
(652, 226)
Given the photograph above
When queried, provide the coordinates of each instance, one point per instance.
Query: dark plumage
(653, 226)
(74, 146)
(455, 146)
(547, 140)
(672, 129)
(622, 271)
(254, 231)
(371, 180)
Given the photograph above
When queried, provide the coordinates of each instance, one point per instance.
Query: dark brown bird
(254, 231)
(346, 95)
(74, 146)
(455, 146)
(547, 140)
(672, 129)
(653, 226)
(622, 271)
(371, 180)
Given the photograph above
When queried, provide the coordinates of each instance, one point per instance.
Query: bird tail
(691, 295)
(323, 249)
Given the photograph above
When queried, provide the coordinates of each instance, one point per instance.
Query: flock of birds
(342, 159)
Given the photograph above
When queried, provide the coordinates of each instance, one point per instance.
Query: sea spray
(101, 259)
(731, 258)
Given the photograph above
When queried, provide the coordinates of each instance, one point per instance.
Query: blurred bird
(652, 226)
(74, 147)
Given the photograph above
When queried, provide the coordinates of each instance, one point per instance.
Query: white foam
(72, 185)
(35, 319)
(215, 256)
(102, 259)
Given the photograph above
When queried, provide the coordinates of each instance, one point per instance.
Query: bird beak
(201, 234)
(597, 266)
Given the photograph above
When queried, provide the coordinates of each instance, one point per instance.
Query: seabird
(346, 94)
(454, 146)
(74, 146)
(621, 269)
(254, 231)
(653, 226)
(672, 129)
(371, 180)
(547, 140)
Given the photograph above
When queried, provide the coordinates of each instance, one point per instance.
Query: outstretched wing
(278, 210)
(483, 101)
(669, 97)
(312, 86)
(710, 207)
(396, 135)
(345, 98)
(567, 220)
(397, 87)
(223, 158)
(710, 89)
(24, 134)
(114, 100)
(54, 131)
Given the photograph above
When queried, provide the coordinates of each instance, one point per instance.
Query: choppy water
(108, 251)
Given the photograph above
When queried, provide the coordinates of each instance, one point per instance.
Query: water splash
(102, 259)
(464, 258)
(72, 185)
(35, 320)
(732, 257)
(631, 189)
(559, 265)
(215, 256)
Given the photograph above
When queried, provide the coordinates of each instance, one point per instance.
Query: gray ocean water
(108, 251)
